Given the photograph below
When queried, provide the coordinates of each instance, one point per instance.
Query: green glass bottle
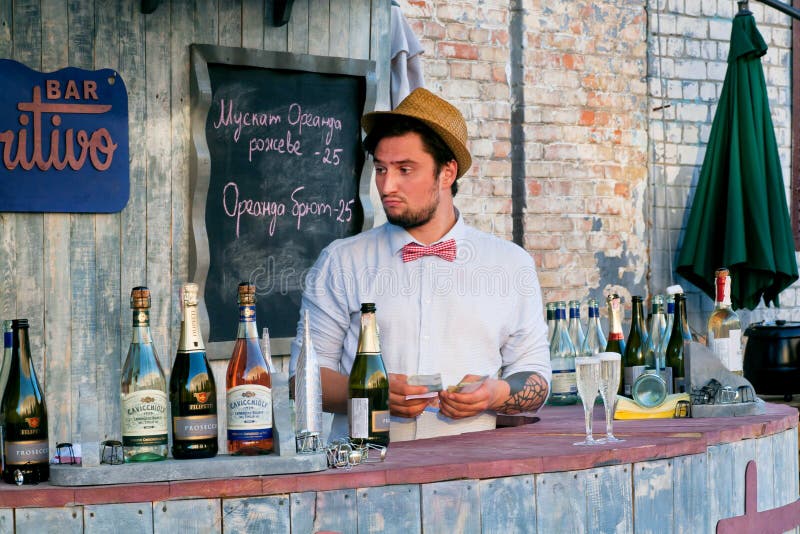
(616, 339)
(633, 361)
(680, 335)
(368, 385)
(26, 451)
(192, 391)
(144, 390)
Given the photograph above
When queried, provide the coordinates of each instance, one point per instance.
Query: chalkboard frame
(200, 159)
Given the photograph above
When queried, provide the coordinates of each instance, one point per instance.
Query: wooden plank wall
(71, 274)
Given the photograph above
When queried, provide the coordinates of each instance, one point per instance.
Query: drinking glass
(609, 382)
(587, 374)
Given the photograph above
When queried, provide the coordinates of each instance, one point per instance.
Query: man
(475, 309)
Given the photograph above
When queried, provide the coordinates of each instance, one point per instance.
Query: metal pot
(771, 358)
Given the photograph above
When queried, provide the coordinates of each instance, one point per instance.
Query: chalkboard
(277, 174)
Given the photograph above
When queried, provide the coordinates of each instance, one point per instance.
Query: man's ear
(448, 174)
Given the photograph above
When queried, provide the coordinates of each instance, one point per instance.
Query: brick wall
(607, 178)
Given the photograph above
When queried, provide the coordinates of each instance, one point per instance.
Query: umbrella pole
(775, 4)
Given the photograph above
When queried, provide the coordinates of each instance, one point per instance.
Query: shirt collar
(398, 237)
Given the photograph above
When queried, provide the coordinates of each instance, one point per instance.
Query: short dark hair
(431, 142)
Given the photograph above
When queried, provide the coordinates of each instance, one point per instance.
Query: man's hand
(398, 389)
(487, 397)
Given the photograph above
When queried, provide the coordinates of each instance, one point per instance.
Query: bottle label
(247, 313)
(194, 427)
(380, 420)
(23, 452)
(564, 382)
(729, 350)
(249, 412)
(144, 418)
(359, 418)
(631, 374)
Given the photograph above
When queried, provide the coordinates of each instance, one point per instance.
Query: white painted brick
(720, 29)
(691, 133)
(691, 90)
(693, 27)
(709, 50)
(693, 49)
(690, 69)
(717, 70)
(693, 112)
(690, 155)
(674, 89)
(664, 24)
(694, 8)
(708, 91)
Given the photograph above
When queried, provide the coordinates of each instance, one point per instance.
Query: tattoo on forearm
(528, 392)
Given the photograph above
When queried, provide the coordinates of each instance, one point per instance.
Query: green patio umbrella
(739, 218)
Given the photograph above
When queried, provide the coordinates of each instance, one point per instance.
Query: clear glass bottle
(550, 309)
(633, 359)
(724, 327)
(26, 450)
(192, 391)
(675, 348)
(595, 340)
(616, 339)
(144, 390)
(563, 386)
(575, 326)
(650, 388)
(248, 385)
(368, 385)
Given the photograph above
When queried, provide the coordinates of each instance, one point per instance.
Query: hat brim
(458, 148)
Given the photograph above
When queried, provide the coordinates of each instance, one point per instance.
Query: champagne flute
(609, 382)
(587, 372)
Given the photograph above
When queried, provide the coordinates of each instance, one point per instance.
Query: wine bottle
(595, 340)
(724, 328)
(575, 327)
(248, 385)
(679, 336)
(368, 385)
(633, 359)
(144, 390)
(563, 385)
(27, 450)
(5, 367)
(616, 339)
(192, 391)
(661, 352)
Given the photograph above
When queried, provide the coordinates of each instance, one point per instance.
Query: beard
(419, 217)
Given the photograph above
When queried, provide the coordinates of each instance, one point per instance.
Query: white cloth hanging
(406, 70)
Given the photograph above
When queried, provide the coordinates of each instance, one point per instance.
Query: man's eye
(380, 170)
(405, 170)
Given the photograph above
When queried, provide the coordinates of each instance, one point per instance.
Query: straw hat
(438, 114)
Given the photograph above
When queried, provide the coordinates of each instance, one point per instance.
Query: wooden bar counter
(669, 475)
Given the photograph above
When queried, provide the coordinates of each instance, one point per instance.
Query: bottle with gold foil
(26, 452)
(616, 339)
(676, 348)
(249, 385)
(192, 391)
(144, 390)
(368, 385)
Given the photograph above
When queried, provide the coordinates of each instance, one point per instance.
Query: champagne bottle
(633, 359)
(616, 339)
(27, 451)
(650, 388)
(563, 385)
(724, 328)
(675, 348)
(368, 385)
(248, 384)
(5, 367)
(575, 327)
(192, 391)
(144, 390)
(595, 340)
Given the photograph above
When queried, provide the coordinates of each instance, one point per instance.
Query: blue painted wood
(126, 517)
(690, 499)
(653, 497)
(743, 452)
(609, 499)
(557, 510)
(508, 505)
(389, 509)
(194, 515)
(257, 514)
(324, 510)
(6, 521)
(40, 520)
(451, 506)
(720, 484)
(765, 457)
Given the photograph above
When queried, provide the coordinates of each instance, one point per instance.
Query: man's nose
(388, 181)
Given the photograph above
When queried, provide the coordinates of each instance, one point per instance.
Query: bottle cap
(367, 307)
(140, 297)
(674, 290)
(722, 271)
(247, 294)
(19, 323)
(190, 294)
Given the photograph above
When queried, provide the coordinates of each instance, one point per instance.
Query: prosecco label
(194, 427)
(249, 412)
(359, 418)
(23, 452)
(144, 418)
(380, 420)
(247, 314)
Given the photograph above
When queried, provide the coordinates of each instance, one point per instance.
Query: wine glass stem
(587, 416)
(608, 419)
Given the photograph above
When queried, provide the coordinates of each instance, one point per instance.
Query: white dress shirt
(481, 314)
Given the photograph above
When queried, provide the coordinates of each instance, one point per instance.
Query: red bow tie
(444, 249)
